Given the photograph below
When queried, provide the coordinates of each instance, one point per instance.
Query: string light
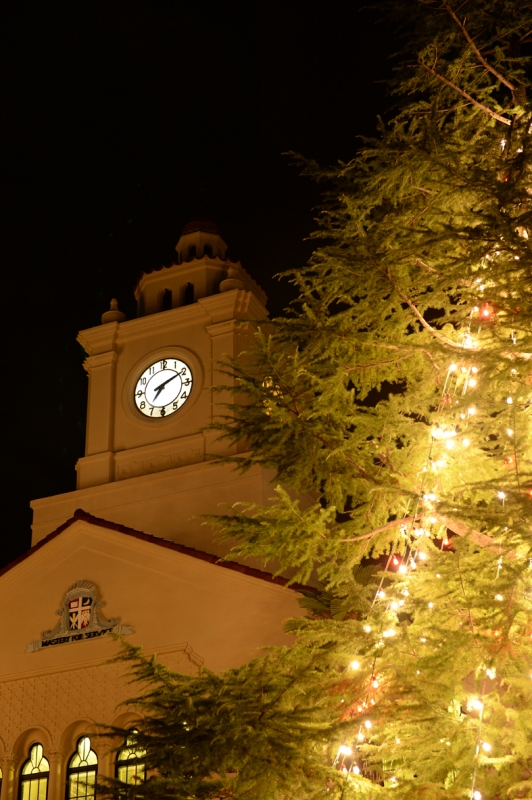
(459, 378)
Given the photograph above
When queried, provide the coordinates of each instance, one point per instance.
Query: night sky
(117, 114)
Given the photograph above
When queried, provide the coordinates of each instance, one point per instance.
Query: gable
(167, 595)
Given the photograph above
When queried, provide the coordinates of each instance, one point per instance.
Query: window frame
(26, 779)
(88, 768)
(135, 761)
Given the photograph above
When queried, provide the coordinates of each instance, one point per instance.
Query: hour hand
(162, 385)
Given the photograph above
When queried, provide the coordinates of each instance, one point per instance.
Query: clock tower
(150, 461)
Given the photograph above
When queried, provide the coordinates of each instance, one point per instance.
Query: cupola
(200, 237)
(201, 270)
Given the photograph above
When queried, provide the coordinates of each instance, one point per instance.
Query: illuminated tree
(396, 392)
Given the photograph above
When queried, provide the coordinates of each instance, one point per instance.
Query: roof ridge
(80, 514)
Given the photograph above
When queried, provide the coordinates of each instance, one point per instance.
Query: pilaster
(9, 764)
(56, 781)
(102, 372)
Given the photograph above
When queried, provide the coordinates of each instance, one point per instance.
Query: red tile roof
(79, 514)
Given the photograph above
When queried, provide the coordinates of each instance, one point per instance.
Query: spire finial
(114, 314)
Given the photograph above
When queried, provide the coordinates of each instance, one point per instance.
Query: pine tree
(395, 392)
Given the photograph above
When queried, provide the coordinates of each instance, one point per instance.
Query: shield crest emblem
(79, 612)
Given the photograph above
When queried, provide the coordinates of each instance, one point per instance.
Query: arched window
(166, 300)
(34, 775)
(191, 252)
(207, 250)
(188, 294)
(82, 769)
(130, 762)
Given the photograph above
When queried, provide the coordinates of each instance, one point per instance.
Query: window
(166, 300)
(34, 775)
(207, 249)
(192, 252)
(188, 294)
(130, 763)
(82, 769)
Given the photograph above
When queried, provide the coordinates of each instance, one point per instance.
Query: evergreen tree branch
(437, 335)
(477, 52)
(477, 103)
(393, 524)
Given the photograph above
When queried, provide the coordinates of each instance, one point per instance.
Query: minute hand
(162, 385)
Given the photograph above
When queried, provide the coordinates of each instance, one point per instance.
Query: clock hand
(162, 385)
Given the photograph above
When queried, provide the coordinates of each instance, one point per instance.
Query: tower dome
(200, 237)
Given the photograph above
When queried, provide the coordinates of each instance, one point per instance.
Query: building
(127, 551)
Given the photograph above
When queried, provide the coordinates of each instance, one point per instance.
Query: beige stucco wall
(187, 610)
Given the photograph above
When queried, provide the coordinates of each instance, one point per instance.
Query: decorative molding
(58, 699)
(158, 457)
(79, 619)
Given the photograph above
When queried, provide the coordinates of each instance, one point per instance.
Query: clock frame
(177, 359)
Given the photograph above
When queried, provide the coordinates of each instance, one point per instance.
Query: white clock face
(163, 387)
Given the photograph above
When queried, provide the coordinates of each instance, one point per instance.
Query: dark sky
(116, 114)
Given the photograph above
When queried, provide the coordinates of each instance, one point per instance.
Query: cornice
(99, 339)
(100, 360)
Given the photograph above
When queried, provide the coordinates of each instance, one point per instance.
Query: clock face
(163, 387)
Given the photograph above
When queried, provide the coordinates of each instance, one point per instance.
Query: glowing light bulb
(491, 673)
(477, 795)
(449, 444)
(501, 495)
(422, 556)
(367, 628)
(486, 746)
(472, 381)
(509, 431)
(474, 370)
(375, 683)
(388, 633)
(395, 605)
(431, 605)
(381, 594)
(354, 665)
(422, 639)
(471, 410)
(356, 770)
(509, 401)
(405, 592)
(402, 569)
(466, 442)
(360, 737)
(368, 724)
(499, 597)
(398, 741)
(476, 704)
(345, 750)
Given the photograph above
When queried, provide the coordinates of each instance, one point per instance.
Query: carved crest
(79, 619)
